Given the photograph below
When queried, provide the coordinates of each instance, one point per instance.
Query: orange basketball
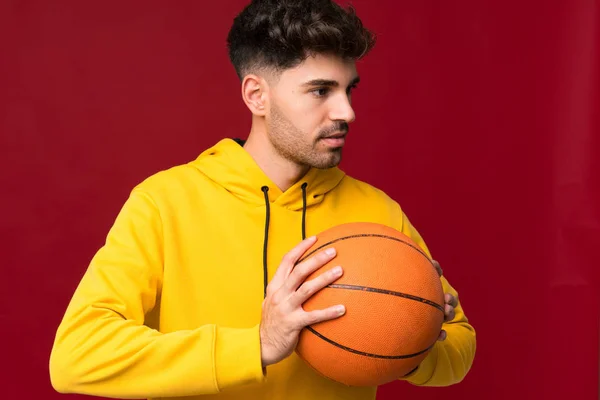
(394, 306)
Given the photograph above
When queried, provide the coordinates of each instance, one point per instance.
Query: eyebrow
(329, 82)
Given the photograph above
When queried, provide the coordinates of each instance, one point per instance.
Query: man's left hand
(450, 301)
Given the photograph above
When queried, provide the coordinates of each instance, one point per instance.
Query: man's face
(310, 109)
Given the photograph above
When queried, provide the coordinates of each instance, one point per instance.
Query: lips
(336, 136)
(334, 140)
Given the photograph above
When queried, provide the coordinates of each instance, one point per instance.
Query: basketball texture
(394, 306)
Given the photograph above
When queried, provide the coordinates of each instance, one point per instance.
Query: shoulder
(361, 188)
(370, 196)
(170, 182)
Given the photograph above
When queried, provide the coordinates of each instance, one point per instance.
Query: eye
(351, 88)
(320, 92)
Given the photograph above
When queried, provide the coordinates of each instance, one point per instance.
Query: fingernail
(311, 238)
(340, 309)
(330, 251)
(337, 271)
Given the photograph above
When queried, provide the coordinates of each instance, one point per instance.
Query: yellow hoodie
(171, 304)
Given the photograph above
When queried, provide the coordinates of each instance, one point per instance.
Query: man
(197, 291)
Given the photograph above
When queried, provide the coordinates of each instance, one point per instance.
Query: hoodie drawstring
(265, 190)
(304, 185)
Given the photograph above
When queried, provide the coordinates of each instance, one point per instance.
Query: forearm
(113, 357)
(450, 360)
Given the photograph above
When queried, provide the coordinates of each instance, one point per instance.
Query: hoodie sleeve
(449, 361)
(103, 348)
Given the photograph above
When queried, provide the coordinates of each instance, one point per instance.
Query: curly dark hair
(280, 34)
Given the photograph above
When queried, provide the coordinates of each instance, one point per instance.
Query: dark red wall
(480, 118)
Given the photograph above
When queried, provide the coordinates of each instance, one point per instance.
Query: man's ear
(255, 92)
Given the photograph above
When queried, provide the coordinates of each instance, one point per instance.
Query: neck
(283, 172)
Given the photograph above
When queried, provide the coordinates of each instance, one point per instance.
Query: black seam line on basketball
(366, 235)
(390, 292)
(362, 353)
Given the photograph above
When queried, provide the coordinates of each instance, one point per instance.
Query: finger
(442, 335)
(449, 313)
(307, 267)
(450, 299)
(308, 288)
(438, 268)
(316, 316)
(288, 262)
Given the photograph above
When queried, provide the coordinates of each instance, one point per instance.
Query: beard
(299, 147)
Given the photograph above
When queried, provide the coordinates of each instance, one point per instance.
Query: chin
(326, 164)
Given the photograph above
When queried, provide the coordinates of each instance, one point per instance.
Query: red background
(480, 118)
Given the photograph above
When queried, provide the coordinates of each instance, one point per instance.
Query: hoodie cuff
(424, 372)
(238, 357)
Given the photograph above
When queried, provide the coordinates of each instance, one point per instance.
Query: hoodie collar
(228, 164)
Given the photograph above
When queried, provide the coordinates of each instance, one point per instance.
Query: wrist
(265, 358)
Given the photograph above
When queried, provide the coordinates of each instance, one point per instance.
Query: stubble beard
(299, 147)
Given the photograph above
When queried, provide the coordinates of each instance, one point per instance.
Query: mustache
(338, 127)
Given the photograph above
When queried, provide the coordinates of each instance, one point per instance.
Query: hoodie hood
(228, 164)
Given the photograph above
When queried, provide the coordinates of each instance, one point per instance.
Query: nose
(342, 109)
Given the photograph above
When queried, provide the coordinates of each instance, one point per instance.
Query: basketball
(394, 306)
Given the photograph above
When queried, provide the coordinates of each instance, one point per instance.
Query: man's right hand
(282, 314)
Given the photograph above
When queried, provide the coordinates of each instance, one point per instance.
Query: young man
(196, 291)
